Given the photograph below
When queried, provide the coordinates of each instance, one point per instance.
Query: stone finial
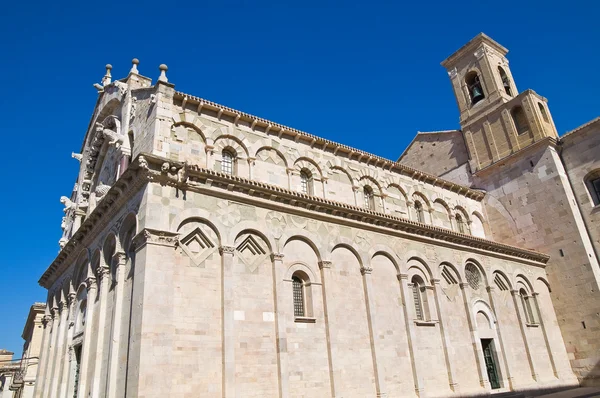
(107, 77)
(163, 73)
(134, 63)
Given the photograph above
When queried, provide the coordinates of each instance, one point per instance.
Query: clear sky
(366, 74)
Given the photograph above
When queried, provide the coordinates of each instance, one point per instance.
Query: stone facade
(208, 252)
(538, 187)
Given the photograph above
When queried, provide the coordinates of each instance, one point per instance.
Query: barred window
(298, 287)
(306, 182)
(227, 162)
(472, 275)
(526, 303)
(417, 298)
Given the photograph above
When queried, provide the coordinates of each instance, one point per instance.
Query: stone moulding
(151, 168)
(314, 141)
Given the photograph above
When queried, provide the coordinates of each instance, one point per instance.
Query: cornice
(207, 181)
(122, 190)
(473, 45)
(580, 128)
(321, 143)
(150, 168)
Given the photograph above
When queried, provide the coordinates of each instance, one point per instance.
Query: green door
(490, 363)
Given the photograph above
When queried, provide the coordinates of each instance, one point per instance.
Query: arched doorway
(489, 345)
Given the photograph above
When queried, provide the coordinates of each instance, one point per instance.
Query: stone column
(442, 311)
(289, 171)
(86, 346)
(71, 300)
(210, 161)
(104, 275)
(281, 321)
(325, 267)
(355, 191)
(251, 167)
(58, 356)
(409, 317)
(119, 260)
(45, 387)
(376, 350)
(477, 349)
(324, 184)
(41, 373)
(545, 333)
(227, 253)
(515, 295)
(508, 379)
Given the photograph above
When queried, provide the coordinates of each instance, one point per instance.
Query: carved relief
(198, 246)
(276, 222)
(228, 213)
(251, 252)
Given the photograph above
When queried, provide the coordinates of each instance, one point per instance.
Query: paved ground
(582, 392)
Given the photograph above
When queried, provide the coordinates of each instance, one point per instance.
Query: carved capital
(463, 285)
(435, 281)
(61, 306)
(230, 250)
(53, 312)
(402, 277)
(276, 257)
(90, 283)
(71, 298)
(119, 258)
(452, 73)
(154, 237)
(366, 270)
(514, 292)
(490, 289)
(210, 149)
(103, 273)
(45, 320)
(324, 264)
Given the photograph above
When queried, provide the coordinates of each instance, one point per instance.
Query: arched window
(227, 160)
(505, 81)
(520, 120)
(419, 211)
(592, 182)
(417, 290)
(527, 309)
(474, 87)
(306, 182)
(369, 198)
(298, 288)
(543, 112)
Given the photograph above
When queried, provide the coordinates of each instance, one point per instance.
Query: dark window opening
(474, 87)
(505, 81)
(520, 120)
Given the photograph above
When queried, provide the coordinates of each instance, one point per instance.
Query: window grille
(298, 296)
(472, 276)
(448, 276)
(416, 288)
(500, 283)
(227, 163)
(304, 182)
(525, 304)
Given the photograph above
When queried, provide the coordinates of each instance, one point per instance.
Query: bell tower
(495, 118)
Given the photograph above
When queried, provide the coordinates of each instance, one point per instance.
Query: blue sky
(366, 74)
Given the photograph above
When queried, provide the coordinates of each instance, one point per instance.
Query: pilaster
(227, 253)
(119, 260)
(534, 375)
(66, 376)
(376, 349)
(409, 316)
(104, 276)
(281, 320)
(442, 312)
(507, 379)
(545, 333)
(325, 267)
(44, 354)
(86, 347)
(56, 365)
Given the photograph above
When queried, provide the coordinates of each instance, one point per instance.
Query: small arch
(349, 248)
(299, 266)
(419, 296)
(543, 112)
(307, 240)
(202, 221)
(273, 150)
(371, 182)
(449, 273)
(233, 143)
(387, 255)
(501, 281)
(525, 281)
(474, 87)
(307, 163)
(419, 211)
(343, 171)
(81, 267)
(419, 264)
(505, 81)
(520, 120)
(306, 182)
(477, 225)
(483, 274)
(192, 126)
(545, 282)
(257, 233)
(127, 232)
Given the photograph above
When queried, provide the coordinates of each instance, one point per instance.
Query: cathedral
(207, 252)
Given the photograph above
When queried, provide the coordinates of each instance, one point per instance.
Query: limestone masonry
(211, 253)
